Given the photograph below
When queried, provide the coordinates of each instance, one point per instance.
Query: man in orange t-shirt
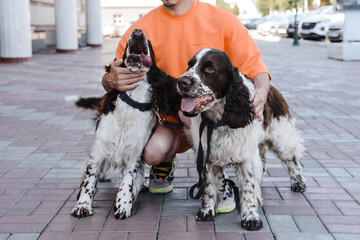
(177, 30)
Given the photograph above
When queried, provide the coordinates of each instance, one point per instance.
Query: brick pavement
(43, 142)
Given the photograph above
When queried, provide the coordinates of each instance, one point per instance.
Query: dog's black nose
(137, 32)
(184, 82)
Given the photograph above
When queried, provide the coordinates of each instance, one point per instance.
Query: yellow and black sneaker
(162, 176)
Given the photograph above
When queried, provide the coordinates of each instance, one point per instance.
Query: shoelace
(162, 170)
(227, 191)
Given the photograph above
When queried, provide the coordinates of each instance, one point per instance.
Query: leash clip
(161, 120)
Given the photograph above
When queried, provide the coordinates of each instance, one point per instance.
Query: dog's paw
(82, 210)
(252, 224)
(205, 214)
(298, 186)
(122, 211)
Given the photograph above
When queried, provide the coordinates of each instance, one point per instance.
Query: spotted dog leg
(210, 196)
(249, 182)
(286, 144)
(262, 151)
(87, 188)
(297, 180)
(291, 160)
(128, 191)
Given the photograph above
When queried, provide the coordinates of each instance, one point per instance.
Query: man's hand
(259, 100)
(262, 86)
(121, 78)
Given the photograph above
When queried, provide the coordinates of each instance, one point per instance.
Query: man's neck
(180, 8)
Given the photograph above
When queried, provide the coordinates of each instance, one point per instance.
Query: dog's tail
(87, 103)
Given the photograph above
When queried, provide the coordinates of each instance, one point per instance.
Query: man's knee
(155, 154)
(161, 148)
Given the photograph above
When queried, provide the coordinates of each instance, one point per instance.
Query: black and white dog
(213, 87)
(123, 126)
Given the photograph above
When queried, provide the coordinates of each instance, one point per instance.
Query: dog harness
(140, 106)
(169, 124)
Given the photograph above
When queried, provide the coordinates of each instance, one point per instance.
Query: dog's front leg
(129, 189)
(87, 188)
(210, 195)
(249, 183)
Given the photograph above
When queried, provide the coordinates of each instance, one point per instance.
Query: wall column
(66, 26)
(349, 49)
(15, 31)
(93, 23)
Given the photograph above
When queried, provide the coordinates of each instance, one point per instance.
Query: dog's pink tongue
(146, 59)
(188, 104)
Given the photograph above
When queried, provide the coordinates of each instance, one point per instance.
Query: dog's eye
(209, 70)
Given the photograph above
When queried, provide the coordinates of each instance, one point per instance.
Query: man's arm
(248, 61)
(121, 78)
(262, 86)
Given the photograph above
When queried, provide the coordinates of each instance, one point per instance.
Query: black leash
(201, 164)
(140, 106)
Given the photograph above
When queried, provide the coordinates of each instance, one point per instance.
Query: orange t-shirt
(175, 39)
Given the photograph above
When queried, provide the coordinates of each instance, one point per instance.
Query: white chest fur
(125, 131)
(228, 145)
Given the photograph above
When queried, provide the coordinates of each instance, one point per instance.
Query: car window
(321, 10)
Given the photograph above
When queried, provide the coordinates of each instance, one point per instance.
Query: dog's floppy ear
(237, 111)
(152, 54)
(125, 55)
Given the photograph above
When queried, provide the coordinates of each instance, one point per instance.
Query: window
(118, 20)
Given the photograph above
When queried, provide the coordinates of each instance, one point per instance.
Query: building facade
(32, 26)
(117, 16)
(44, 24)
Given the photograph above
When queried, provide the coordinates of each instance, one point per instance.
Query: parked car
(279, 25)
(255, 24)
(313, 27)
(250, 23)
(269, 26)
(282, 25)
(290, 28)
(335, 30)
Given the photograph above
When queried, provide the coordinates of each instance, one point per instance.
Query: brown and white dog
(214, 87)
(123, 126)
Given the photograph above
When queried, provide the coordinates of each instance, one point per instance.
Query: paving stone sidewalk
(43, 143)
